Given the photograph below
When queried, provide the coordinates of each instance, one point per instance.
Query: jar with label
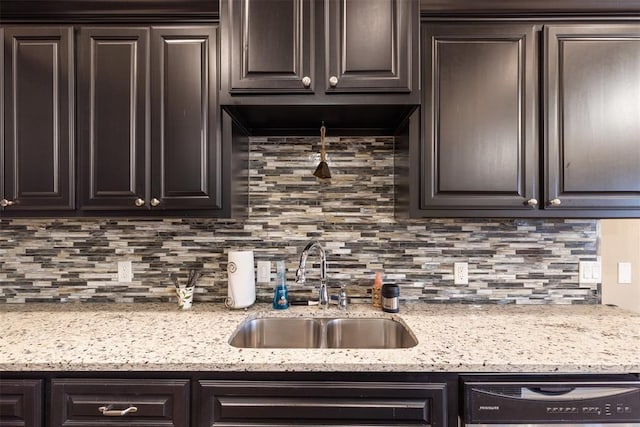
(376, 290)
(390, 298)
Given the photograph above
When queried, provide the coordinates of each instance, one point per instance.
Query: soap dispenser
(280, 295)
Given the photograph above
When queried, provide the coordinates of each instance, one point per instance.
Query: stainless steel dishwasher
(549, 403)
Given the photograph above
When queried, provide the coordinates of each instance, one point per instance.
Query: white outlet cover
(125, 272)
(461, 273)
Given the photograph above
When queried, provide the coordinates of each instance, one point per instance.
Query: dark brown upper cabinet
(186, 144)
(368, 45)
(271, 46)
(478, 151)
(172, 162)
(112, 128)
(37, 145)
(592, 120)
(319, 47)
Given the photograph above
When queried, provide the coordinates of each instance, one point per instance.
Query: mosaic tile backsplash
(510, 261)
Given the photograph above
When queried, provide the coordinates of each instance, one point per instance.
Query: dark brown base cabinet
(21, 403)
(484, 149)
(229, 399)
(340, 403)
(119, 402)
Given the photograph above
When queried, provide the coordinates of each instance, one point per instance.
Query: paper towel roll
(241, 291)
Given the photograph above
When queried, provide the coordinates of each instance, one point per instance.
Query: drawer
(114, 402)
(343, 403)
(21, 403)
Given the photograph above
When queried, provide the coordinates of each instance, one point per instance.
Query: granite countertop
(452, 338)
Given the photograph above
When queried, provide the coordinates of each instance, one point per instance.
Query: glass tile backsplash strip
(510, 261)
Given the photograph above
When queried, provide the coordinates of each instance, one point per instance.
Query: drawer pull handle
(108, 412)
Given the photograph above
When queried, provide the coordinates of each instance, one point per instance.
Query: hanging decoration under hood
(322, 171)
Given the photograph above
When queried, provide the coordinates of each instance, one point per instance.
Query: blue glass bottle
(280, 296)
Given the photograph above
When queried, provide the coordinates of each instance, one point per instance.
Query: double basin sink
(308, 332)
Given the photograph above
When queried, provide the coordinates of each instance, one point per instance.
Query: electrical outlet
(264, 271)
(461, 273)
(125, 272)
(624, 272)
(589, 272)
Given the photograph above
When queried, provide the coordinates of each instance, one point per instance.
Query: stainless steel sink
(368, 333)
(306, 332)
(278, 332)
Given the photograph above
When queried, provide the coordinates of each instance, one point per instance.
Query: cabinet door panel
(38, 139)
(186, 149)
(20, 403)
(593, 98)
(112, 88)
(480, 147)
(78, 402)
(368, 45)
(271, 45)
(269, 403)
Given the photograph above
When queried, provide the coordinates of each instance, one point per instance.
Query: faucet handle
(300, 276)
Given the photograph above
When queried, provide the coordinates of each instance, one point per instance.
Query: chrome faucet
(323, 299)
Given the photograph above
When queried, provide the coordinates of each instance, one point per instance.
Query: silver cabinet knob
(532, 202)
(333, 81)
(4, 203)
(555, 202)
(139, 202)
(155, 202)
(306, 81)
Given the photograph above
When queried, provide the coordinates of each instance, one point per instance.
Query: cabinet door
(270, 45)
(185, 134)
(38, 154)
(371, 46)
(592, 123)
(21, 403)
(480, 141)
(111, 402)
(294, 403)
(112, 94)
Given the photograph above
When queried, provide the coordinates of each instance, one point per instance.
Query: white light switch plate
(589, 272)
(264, 271)
(624, 272)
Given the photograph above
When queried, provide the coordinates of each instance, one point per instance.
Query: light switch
(264, 272)
(624, 272)
(589, 272)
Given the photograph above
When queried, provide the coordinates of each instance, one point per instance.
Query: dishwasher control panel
(551, 402)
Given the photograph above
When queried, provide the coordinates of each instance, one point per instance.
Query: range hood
(303, 120)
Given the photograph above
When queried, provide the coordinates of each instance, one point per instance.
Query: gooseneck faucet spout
(323, 299)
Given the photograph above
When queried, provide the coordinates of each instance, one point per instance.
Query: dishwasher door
(570, 403)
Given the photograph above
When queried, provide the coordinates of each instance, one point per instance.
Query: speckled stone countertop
(451, 338)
